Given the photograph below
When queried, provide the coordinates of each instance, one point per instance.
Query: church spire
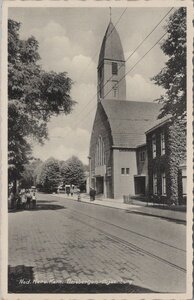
(110, 13)
(111, 66)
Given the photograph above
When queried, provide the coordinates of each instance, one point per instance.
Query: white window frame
(164, 184)
(154, 146)
(162, 141)
(155, 184)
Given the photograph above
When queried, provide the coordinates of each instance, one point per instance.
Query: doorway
(99, 185)
(139, 185)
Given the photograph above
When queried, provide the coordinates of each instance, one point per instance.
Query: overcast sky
(70, 40)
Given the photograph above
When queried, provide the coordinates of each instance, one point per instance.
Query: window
(100, 81)
(114, 68)
(184, 185)
(154, 146)
(155, 184)
(99, 155)
(162, 140)
(115, 88)
(125, 171)
(142, 155)
(163, 184)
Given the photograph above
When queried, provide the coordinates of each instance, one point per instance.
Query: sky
(69, 41)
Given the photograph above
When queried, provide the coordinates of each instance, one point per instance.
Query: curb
(131, 210)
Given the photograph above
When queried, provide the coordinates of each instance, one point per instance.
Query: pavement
(135, 206)
(66, 246)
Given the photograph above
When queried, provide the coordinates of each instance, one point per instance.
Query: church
(118, 158)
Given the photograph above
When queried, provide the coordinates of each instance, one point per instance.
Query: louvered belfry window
(114, 68)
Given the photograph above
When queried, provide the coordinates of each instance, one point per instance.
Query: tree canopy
(72, 171)
(49, 177)
(173, 76)
(28, 176)
(33, 97)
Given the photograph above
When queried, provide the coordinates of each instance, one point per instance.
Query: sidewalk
(137, 207)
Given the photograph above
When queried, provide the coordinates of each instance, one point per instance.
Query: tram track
(134, 232)
(129, 230)
(125, 243)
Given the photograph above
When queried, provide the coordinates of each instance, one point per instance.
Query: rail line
(132, 231)
(126, 243)
(129, 230)
(130, 245)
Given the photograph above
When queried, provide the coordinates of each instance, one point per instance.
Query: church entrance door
(140, 185)
(99, 185)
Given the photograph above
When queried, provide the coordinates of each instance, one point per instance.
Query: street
(65, 241)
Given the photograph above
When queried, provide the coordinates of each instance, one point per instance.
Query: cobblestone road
(61, 245)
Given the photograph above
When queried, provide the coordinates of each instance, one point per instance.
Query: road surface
(65, 241)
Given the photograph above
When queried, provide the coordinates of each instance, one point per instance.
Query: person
(92, 194)
(71, 191)
(18, 200)
(12, 199)
(34, 200)
(78, 195)
(68, 190)
(28, 199)
(23, 200)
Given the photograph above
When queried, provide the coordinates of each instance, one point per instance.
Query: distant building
(117, 159)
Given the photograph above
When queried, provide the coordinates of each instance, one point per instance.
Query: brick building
(117, 159)
(166, 153)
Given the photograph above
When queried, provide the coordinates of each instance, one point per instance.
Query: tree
(34, 96)
(50, 176)
(28, 176)
(72, 171)
(173, 76)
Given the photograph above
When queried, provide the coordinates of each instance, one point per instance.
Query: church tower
(111, 67)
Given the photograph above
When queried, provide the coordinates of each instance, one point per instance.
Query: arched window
(99, 155)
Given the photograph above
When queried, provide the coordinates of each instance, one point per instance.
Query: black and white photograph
(97, 164)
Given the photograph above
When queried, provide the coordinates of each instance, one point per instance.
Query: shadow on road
(40, 206)
(159, 217)
(21, 280)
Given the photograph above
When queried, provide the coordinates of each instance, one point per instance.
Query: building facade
(166, 150)
(117, 156)
(131, 151)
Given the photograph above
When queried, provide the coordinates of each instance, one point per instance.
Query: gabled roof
(111, 46)
(159, 123)
(129, 120)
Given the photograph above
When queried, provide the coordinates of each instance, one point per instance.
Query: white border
(4, 215)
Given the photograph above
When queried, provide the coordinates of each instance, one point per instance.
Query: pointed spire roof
(111, 48)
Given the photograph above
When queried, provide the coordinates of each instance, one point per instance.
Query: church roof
(129, 120)
(111, 46)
